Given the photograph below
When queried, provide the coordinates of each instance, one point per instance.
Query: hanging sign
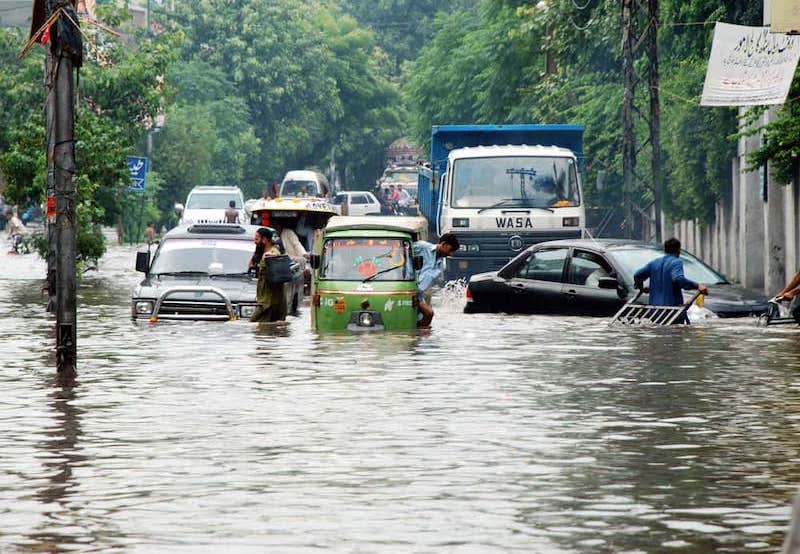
(137, 167)
(749, 66)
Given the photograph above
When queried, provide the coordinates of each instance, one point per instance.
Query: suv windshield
(202, 256)
(299, 188)
(213, 201)
(632, 259)
(356, 259)
(515, 181)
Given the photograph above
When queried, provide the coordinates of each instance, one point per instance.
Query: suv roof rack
(217, 228)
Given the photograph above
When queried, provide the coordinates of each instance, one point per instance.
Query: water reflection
(489, 433)
(59, 453)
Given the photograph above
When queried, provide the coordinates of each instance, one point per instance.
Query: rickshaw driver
(432, 268)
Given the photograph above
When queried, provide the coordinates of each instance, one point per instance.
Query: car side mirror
(314, 259)
(417, 260)
(607, 283)
(179, 209)
(143, 261)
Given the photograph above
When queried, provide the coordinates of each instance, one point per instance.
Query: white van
(208, 205)
(304, 183)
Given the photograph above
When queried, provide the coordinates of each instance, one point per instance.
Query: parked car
(208, 205)
(592, 277)
(356, 202)
(304, 183)
(199, 272)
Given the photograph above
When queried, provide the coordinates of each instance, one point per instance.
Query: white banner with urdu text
(749, 66)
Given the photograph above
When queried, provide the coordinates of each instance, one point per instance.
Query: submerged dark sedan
(592, 277)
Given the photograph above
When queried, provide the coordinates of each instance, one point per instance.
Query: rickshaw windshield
(359, 259)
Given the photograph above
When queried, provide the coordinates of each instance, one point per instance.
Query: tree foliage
(308, 77)
(402, 27)
(247, 90)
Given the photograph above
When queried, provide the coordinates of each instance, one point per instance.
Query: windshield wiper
(238, 274)
(499, 204)
(387, 270)
(525, 206)
(181, 273)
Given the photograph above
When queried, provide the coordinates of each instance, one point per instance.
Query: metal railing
(231, 315)
(777, 314)
(644, 314)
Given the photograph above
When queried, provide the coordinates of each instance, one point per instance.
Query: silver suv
(199, 272)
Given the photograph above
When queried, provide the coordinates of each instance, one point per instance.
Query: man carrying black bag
(273, 273)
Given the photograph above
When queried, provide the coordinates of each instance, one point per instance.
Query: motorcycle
(19, 245)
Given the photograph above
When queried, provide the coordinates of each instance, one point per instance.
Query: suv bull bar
(200, 317)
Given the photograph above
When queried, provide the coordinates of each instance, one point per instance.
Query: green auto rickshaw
(365, 274)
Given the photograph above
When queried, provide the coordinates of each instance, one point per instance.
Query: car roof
(349, 192)
(232, 231)
(215, 189)
(600, 244)
(301, 174)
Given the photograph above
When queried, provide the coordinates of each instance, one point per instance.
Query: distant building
(402, 152)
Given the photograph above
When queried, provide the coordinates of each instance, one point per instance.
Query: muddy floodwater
(489, 433)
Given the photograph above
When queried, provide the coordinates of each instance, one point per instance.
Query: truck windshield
(515, 181)
(357, 259)
(213, 201)
(198, 255)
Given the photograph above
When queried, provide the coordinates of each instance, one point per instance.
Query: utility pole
(640, 27)
(65, 195)
(50, 219)
(628, 136)
(655, 114)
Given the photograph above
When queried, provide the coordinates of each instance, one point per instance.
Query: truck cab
(501, 189)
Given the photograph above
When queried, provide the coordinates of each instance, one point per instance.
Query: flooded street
(489, 433)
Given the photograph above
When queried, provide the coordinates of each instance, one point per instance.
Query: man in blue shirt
(666, 277)
(433, 256)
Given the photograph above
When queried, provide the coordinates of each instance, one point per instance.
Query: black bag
(279, 269)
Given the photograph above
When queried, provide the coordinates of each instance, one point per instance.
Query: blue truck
(500, 189)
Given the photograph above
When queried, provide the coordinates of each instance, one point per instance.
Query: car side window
(339, 199)
(587, 268)
(545, 265)
(360, 199)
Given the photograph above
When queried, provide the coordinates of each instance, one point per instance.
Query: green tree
(402, 27)
(308, 76)
(121, 89)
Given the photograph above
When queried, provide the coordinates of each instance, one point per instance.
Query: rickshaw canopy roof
(291, 204)
(415, 226)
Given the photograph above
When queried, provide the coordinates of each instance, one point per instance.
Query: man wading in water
(271, 297)
(667, 278)
(433, 256)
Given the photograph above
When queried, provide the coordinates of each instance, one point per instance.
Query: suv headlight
(144, 307)
(247, 311)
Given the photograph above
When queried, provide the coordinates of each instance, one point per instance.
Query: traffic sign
(137, 167)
